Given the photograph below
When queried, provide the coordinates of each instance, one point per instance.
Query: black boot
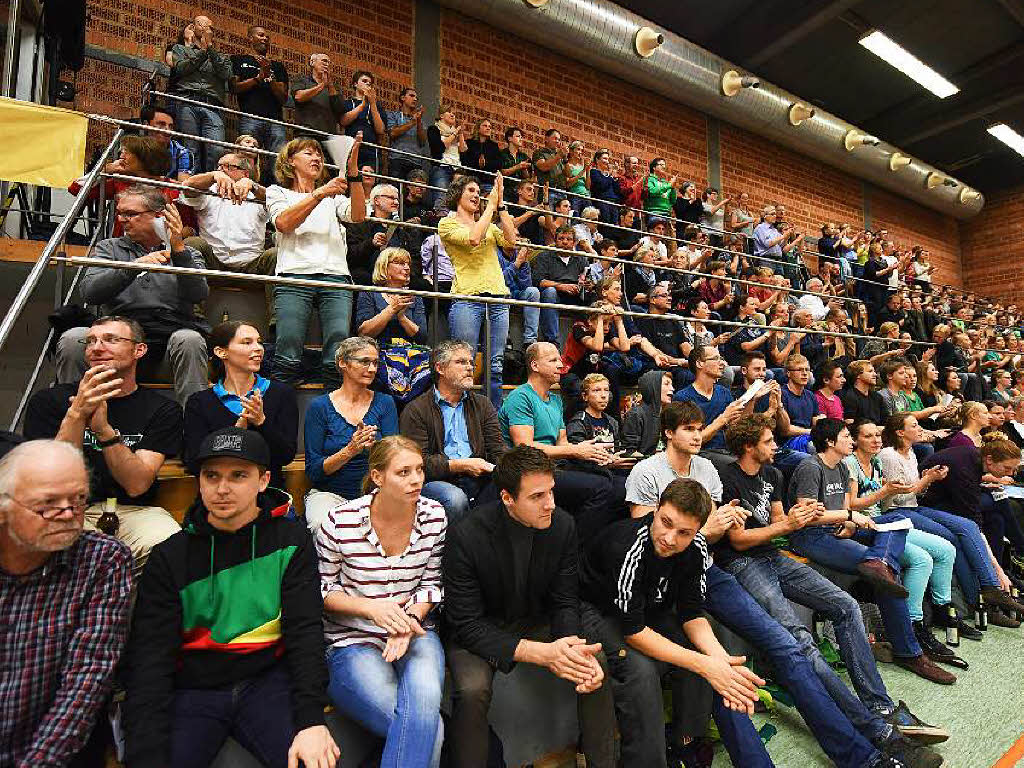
(936, 650)
(941, 618)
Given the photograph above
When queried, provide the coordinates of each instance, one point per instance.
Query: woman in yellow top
(471, 242)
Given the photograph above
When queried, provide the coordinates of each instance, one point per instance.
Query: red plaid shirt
(62, 629)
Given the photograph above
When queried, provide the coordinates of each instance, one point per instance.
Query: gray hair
(380, 189)
(151, 197)
(12, 462)
(590, 212)
(351, 345)
(447, 349)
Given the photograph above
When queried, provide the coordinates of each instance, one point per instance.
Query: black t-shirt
(601, 429)
(259, 100)
(666, 335)
(146, 420)
(757, 493)
(858, 406)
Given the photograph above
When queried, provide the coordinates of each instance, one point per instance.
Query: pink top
(832, 407)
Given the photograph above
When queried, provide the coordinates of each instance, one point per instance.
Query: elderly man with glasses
(162, 303)
(125, 431)
(368, 238)
(64, 609)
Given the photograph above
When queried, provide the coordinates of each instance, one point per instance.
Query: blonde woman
(973, 419)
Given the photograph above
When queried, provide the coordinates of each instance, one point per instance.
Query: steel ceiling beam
(976, 109)
(797, 33)
(1015, 8)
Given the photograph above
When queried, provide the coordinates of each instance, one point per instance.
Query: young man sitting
(227, 637)
(799, 404)
(750, 554)
(714, 401)
(641, 426)
(860, 400)
(557, 275)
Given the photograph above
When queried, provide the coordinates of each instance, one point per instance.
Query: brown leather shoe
(924, 667)
(882, 578)
(996, 596)
(999, 618)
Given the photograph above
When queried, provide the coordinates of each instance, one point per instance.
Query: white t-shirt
(650, 477)
(318, 245)
(659, 245)
(894, 276)
(236, 233)
(901, 469)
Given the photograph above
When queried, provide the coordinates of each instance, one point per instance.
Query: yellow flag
(41, 145)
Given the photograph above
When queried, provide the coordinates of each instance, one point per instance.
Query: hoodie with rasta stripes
(215, 608)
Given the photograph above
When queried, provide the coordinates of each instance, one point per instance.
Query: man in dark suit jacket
(458, 431)
(510, 575)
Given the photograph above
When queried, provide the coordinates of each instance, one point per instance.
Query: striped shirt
(62, 628)
(353, 561)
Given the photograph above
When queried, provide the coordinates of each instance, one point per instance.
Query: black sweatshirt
(205, 413)
(215, 608)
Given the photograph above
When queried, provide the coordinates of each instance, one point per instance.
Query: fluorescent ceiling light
(1009, 137)
(899, 57)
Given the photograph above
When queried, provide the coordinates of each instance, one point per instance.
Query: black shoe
(938, 651)
(914, 728)
(940, 618)
(910, 754)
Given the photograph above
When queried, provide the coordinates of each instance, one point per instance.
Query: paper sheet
(898, 525)
(339, 147)
(751, 393)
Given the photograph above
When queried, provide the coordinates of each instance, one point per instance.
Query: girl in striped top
(380, 576)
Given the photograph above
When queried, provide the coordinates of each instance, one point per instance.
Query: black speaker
(64, 22)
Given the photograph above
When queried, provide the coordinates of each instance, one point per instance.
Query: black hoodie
(217, 607)
(641, 427)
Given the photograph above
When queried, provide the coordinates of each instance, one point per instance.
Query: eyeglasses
(229, 167)
(53, 512)
(389, 197)
(107, 339)
(364, 362)
(129, 215)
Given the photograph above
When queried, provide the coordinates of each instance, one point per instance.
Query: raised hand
(99, 384)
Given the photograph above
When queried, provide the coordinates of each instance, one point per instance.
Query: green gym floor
(983, 711)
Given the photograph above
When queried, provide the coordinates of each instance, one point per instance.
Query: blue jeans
(400, 700)
(256, 712)
(293, 305)
(786, 460)
(270, 135)
(461, 494)
(549, 317)
(466, 321)
(927, 564)
(773, 581)
(973, 567)
(531, 315)
(201, 121)
(440, 176)
(799, 672)
(844, 555)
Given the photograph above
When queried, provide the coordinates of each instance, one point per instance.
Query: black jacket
(479, 583)
(641, 426)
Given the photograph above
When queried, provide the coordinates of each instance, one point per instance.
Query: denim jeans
(635, 680)
(737, 609)
(531, 315)
(293, 305)
(786, 460)
(400, 700)
(588, 498)
(270, 135)
(820, 544)
(466, 322)
(256, 712)
(973, 567)
(927, 564)
(999, 523)
(208, 123)
(549, 317)
(460, 494)
(440, 176)
(773, 581)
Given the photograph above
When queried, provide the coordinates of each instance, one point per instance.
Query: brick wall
(993, 247)
(371, 34)
(911, 223)
(486, 72)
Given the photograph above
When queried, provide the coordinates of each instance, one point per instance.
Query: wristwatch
(112, 441)
(502, 208)
(357, 177)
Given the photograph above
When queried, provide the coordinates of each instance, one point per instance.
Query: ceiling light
(1009, 137)
(855, 138)
(799, 112)
(899, 57)
(968, 196)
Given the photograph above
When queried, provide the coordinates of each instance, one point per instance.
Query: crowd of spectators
(816, 405)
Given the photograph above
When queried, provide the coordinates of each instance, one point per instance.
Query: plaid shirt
(62, 629)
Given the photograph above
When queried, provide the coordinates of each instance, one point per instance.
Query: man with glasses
(125, 431)
(162, 303)
(800, 405)
(64, 610)
(668, 338)
(458, 431)
(368, 238)
(715, 402)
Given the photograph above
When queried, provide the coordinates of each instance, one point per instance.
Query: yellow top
(477, 269)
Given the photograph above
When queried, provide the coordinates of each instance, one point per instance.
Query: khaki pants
(140, 528)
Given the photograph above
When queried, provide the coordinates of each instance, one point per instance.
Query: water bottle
(981, 615)
(108, 522)
(952, 632)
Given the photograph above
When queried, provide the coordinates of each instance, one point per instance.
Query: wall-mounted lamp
(733, 82)
(969, 196)
(646, 41)
(855, 138)
(800, 112)
(898, 162)
(536, 3)
(933, 180)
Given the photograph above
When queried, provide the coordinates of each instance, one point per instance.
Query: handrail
(65, 226)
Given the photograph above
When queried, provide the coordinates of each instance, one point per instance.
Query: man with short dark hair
(125, 431)
(559, 278)
(511, 596)
(182, 161)
(549, 162)
(64, 608)
(714, 401)
(533, 415)
(227, 636)
(162, 303)
(261, 85)
(458, 431)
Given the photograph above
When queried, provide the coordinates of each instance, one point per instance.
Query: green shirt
(914, 403)
(580, 187)
(660, 196)
(556, 176)
(525, 408)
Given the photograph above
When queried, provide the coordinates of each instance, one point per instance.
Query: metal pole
(436, 311)
(12, 43)
(487, 350)
(65, 226)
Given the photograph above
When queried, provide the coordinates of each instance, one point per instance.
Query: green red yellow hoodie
(217, 607)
